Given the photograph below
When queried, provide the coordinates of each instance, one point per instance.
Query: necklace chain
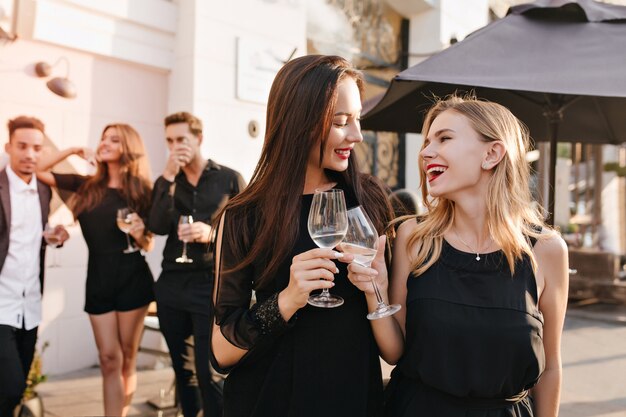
(468, 246)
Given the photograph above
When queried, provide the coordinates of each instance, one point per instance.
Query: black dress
(473, 340)
(324, 362)
(115, 281)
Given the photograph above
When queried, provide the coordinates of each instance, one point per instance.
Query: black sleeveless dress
(325, 364)
(473, 340)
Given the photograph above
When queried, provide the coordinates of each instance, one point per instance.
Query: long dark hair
(299, 117)
(135, 185)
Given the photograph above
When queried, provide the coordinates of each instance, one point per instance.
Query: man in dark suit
(24, 209)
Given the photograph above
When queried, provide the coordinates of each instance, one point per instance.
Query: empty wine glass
(327, 226)
(183, 259)
(361, 240)
(124, 221)
(53, 240)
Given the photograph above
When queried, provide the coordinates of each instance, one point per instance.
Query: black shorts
(117, 282)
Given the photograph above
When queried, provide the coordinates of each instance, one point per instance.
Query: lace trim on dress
(267, 317)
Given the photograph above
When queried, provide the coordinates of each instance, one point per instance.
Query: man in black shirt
(198, 188)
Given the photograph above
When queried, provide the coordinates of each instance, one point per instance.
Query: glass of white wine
(361, 240)
(327, 226)
(53, 240)
(183, 259)
(124, 222)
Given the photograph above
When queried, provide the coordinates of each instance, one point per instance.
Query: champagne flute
(53, 240)
(327, 226)
(124, 224)
(361, 240)
(183, 259)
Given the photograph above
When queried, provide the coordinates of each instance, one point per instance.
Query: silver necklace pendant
(478, 257)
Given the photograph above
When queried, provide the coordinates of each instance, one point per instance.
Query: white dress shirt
(20, 289)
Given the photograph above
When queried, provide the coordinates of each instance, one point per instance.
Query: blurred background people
(111, 207)
(24, 209)
(186, 197)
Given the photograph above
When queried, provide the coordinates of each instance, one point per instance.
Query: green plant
(614, 166)
(35, 375)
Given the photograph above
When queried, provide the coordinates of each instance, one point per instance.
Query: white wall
(204, 80)
(109, 90)
(134, 62)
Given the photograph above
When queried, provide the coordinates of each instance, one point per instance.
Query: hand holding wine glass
(124, 223)
(183, 221)
(361, 240)
(54, 237)
(327, 225)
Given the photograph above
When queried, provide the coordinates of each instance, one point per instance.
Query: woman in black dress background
(482, 280)
(287, 358)
(119, 285)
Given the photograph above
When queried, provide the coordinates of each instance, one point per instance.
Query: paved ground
(594, 368)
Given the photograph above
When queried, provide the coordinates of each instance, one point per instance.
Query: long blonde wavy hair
(512, 216)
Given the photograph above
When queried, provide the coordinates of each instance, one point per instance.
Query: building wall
(135, 61)
(121, 75)
(205, 78)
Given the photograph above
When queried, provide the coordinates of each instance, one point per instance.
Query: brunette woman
(119, 284)
(285, 357)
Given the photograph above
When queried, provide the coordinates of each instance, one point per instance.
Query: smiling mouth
(435, 171)
(343, 153)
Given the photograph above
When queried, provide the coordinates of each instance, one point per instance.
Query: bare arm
(553, 266)
(49, 159)
(388, 331)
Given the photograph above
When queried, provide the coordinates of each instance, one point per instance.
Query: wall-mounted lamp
(61, 86)
(6, 37)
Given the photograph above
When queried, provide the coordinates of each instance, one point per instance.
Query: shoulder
(224, 170)
(550, 245)
(552, 261)
(407, 228)
(404, 234)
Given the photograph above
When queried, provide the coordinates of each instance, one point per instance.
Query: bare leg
(130, 330)
(106, 332)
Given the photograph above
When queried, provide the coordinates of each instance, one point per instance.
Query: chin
(338, 166)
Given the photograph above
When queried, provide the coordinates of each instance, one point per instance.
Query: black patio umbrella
(559, 65)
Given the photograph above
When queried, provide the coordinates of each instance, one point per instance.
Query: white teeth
(340, 152)
(436, 169)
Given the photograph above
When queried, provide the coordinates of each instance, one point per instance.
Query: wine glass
(124, 223)
(183, 259)
(53, 240)
(327, 226)
(361, 240)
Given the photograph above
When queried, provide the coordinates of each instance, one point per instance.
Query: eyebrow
(439, 132)
(343, 113)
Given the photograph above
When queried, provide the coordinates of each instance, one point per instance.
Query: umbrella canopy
(558, 65)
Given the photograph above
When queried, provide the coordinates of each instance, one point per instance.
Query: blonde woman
(482, 281)
(119, 284)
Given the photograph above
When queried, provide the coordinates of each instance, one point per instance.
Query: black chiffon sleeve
(69, 182)
(249, 327)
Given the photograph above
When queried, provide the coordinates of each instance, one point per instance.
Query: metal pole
(554, 118)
